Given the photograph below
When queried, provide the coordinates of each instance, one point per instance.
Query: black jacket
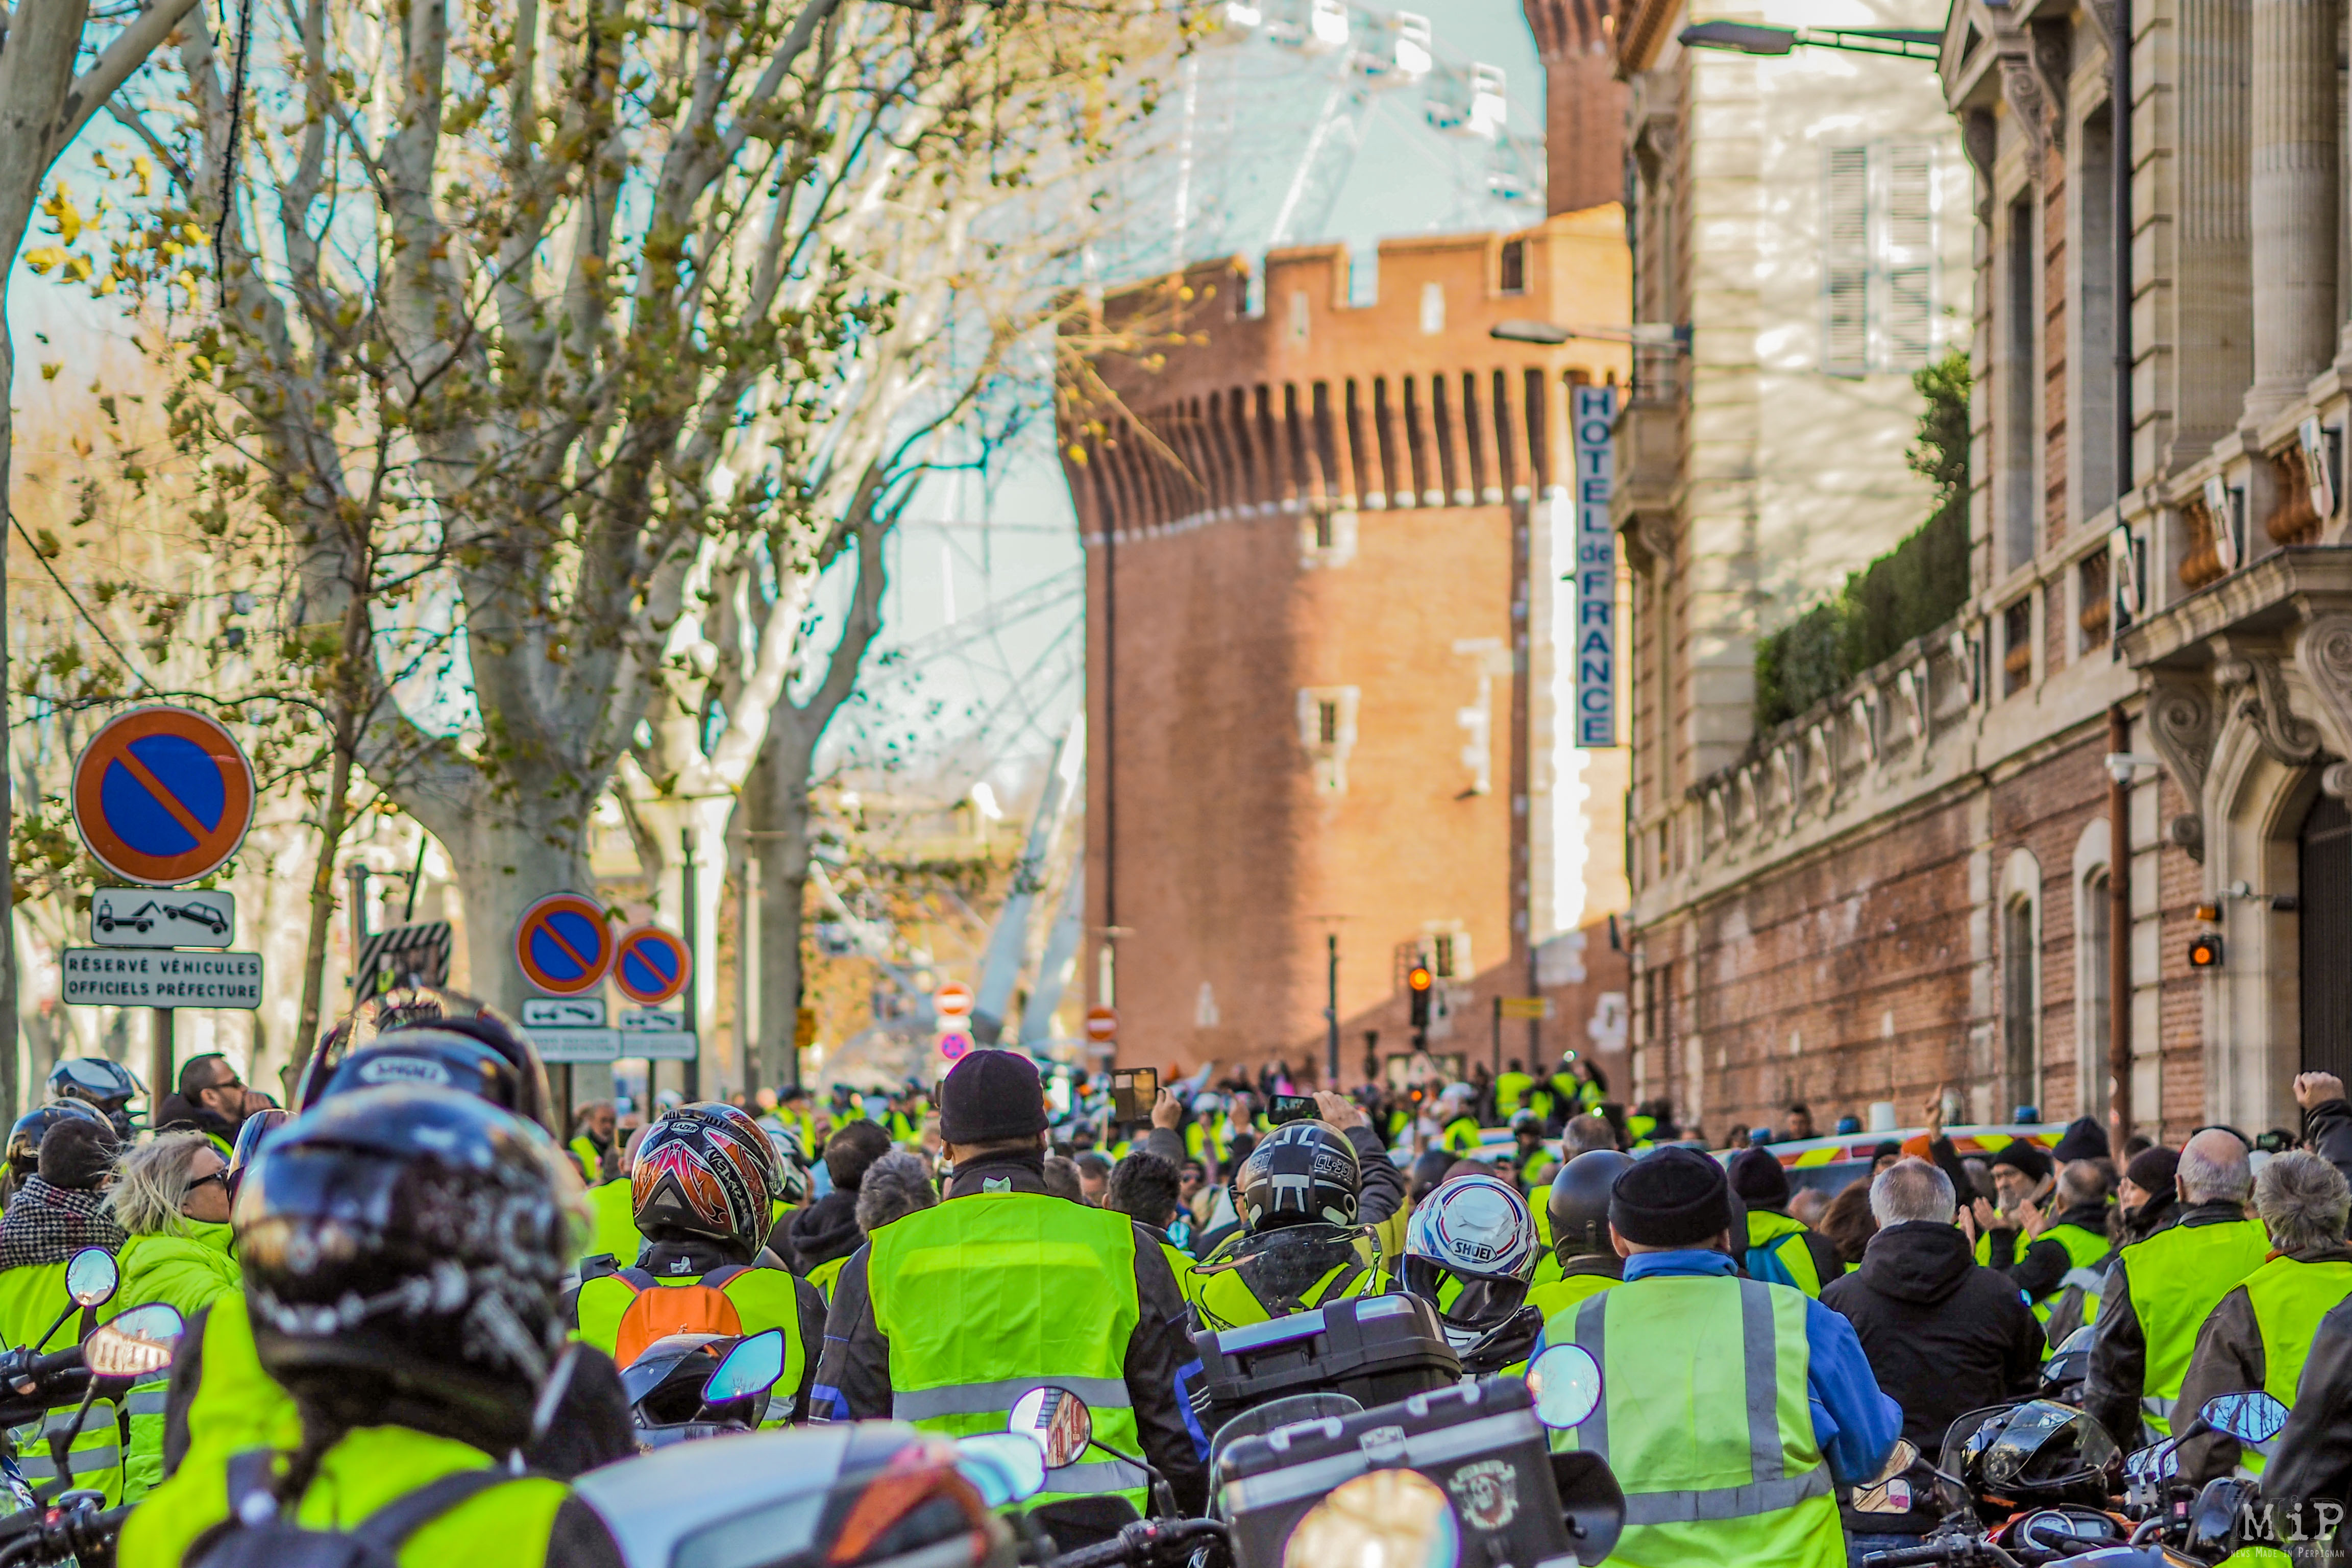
(825, 1230)
(1943, 1334)
(854, 1374)
(2119, 1346)
(2327, 1131)
(2313, 1460)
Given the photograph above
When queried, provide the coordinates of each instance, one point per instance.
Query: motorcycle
(137, 1346)
(685, 1388)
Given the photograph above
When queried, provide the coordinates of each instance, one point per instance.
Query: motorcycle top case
(1481, 1443)
(1374, 1348)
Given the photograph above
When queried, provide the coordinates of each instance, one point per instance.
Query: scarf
(47, 1224)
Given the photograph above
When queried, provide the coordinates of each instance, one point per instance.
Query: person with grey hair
(894, 1186)
(2040, 1255)
(1944, 1334)
(2159, 1292)
(2261, 1333)
(1585, 1133)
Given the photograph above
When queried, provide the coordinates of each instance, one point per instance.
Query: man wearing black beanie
(1703, 1419)
(1780, 1249)
(952, 1312)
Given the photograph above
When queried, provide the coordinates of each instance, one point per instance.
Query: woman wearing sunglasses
(171, 1197)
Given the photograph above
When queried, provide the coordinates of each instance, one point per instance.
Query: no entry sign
(563, 945)
(651, 966)
(163, 796)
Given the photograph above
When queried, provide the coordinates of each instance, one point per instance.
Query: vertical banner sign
(1593, 410)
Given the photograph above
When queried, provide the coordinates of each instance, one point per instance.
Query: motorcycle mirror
(140, 1340)
(92, 1276)
(1388, 1519)
(1057, 1421)
(754, 1364)
(1566, 1382)
(1004, 1468)
(2251, 1417)
(1887, 1492)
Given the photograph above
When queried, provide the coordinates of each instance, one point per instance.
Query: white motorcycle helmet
(1470, 1249)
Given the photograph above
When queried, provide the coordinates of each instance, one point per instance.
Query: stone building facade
(1319, 693)
(1915, 883)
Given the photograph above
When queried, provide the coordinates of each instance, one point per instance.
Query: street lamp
(1641, 334)
(1747, 39)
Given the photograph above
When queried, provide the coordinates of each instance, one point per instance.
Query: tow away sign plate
(163, 916)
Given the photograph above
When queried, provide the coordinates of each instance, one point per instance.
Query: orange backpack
(658, 1310)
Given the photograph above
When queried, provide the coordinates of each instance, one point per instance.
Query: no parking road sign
(163, 796)
(563, 945)
(651, 966)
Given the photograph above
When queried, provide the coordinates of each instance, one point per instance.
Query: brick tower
(1318, 685)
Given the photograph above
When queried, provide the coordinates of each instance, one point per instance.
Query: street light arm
(1747, 38)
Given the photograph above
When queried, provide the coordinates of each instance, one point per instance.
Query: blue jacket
(1856, 1424)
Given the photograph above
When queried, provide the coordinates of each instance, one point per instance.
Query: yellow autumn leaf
(140, 167)
(49, 371)
(44, 259)
(78, 268)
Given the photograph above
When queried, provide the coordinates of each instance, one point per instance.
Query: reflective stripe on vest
(96, 1451)
(1664, 1347)
(2288, 1300)
(2177, 1278)
(1055, 1283)
(150, 1395)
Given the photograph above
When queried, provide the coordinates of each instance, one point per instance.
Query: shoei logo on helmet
(402, 1069)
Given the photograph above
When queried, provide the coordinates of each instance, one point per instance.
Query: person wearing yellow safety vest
(593, 1129)
(1710, 1385)
(2041, 1256)
(613, 1209)
(171, 1197)
(59, 1210)
(1470, 1252)
(1457, 1120)
(799, 1116)
(2159, 1291)
(1512, 1086)
(703, 1185)
(220, 1401)
(825, 1232)
(1310, 1196)
(946, 1317)
(374, 1319)
(1584, 1263)
(2260, 1333)
(212, 1099)
(2145, 1202)
(1780, 1249)
(1206, 1138)
(1143, 1187)
(2311, 1460)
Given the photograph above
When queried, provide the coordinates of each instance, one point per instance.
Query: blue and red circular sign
(651, 966)
(955, 1044)
(563, 945)
(163, 796)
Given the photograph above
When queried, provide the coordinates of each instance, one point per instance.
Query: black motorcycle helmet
(94, 1080)
(1578, 1203)
(25, 1137)
(1302, 1173)
(404, 1250)
(664, 1385)
(250, 1132)
(2039, 1454)
(428, 1057)
(451, 1012)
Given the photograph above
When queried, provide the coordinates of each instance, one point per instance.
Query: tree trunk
(350, 687)
(9, 240)
(775, 805)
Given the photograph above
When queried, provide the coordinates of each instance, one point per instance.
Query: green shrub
(1905, 594)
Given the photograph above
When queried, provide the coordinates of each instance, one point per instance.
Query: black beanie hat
(1673, 1197)
(1758, 1175)
(2084, 1139)
(2155, 1172)
(989, 1096)
(2024, 1156)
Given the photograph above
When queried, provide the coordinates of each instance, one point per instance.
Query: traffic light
(2205, 952)
(1417, 981)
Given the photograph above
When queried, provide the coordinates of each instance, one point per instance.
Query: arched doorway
(2324, 903)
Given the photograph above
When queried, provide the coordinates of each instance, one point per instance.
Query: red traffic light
(1419, 978)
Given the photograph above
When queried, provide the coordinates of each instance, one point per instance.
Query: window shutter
(1908, 257)
(1846, 262)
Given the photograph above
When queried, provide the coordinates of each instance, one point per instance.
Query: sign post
(162, 797)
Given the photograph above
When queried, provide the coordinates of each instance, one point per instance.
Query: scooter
(685, 1388)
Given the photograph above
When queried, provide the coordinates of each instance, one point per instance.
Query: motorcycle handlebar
(47, 1537)
(1954, 1548)
(1131, 1544)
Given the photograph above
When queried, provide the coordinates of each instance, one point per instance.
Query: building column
(2293, 198)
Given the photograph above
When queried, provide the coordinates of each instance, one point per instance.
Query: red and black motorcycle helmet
(707, 1171)
(405, 1250)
